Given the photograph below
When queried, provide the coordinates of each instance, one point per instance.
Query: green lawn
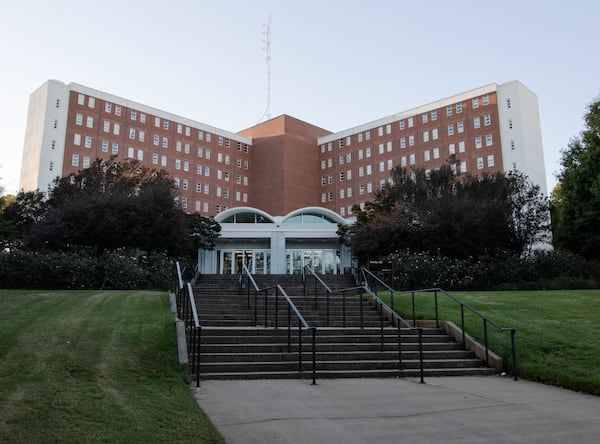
(94, 366)
(557, 339)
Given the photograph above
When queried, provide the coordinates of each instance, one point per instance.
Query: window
(436, 153)
(476, 122)
(200, 135)
(488, 140)
(142, 117)
(475, 102)
(165, 142)
(412, 159)
(349, 174)
(459, 108)
(80, 99)
(360, 154)
(381, 167)
(411, 140)
(451, 149)
(449, 110)
(348, 140)
(156, 140)
(88, 142)
(460, 127)
(187, 131)
(220, 141)
(219, 157)
(410, 122)
(75, 160)
(461, 146)
(197, 206)
(348, 157)
(434, 134)
(381, 149)
(380, 131)
(369, 170)
(490, 161)
(116, 129)
(91, 102)
(480, 163)
(185, 184)
(141, 135)
(199, 169)
(177, 164)
(140, 155)
(205, 207)
(342, 193)
(207, 171)
(478, 143)
(117, 110)
(106, 126)
(463, 166)
(132, 133)
(426, 155)
(330, 179)
(343, 211)
(425, 136)
(219, 174)
(155, 158)
(368, 151)
(179, 128)
(450, 129)
(115, 149)
(402, 124)
(198, 187)
(341, 143)
(207, 154)
(130, 152)
(388, 128)
(206, 188)
(361, 171)
(322, 163)
(208, 137)
(186, 165)
(165, 124)
(485, 99)
(108, 107)
(78, 119)
(77, 139)
(360, 137)
(163, 160)
(403, 142)
(424, 117)
(329, 163)
(487, 119)
(157, 122)
(434, 115)
(341, 160)
(367, 135)
(133, 114)
(330, 195)
(105, 146)
(361, 189)
(177, 182)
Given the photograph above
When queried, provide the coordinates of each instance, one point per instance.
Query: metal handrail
(302, 324)
(463, 305)
(318, 280)
(395, 316)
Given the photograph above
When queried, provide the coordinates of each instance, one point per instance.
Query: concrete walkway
(490, 409)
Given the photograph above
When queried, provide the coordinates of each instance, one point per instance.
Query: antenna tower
(267, 48)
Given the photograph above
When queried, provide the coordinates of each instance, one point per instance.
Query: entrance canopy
(277, 244)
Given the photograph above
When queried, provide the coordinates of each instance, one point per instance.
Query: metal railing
(396, 320)
(250, 286)
(374, 282)
(187, 312)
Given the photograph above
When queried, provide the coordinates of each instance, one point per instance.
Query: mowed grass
(558, 332)
(94, 366)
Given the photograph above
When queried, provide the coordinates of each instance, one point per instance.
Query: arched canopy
(313, 215)
(244, 215)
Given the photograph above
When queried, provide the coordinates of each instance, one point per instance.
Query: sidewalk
(448, 409)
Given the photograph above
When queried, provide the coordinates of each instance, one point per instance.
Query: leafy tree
(18, 215)
(117, 205)
(576, 200)
(455, 216)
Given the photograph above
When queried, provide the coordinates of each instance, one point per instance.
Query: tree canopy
(113, 205)
(445, 214)
(576, 200)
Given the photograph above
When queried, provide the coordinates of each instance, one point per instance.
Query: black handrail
(318, 280)
(395, 316)
(463, 305)
(302, 324)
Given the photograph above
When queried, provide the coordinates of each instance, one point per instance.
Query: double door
(232, 261)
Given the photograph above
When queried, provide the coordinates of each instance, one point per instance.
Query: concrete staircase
(233, 347)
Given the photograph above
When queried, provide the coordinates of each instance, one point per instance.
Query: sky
(335, 63)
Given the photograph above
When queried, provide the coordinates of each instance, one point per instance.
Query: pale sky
(335, 63)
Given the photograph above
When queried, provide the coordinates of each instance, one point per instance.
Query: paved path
(447, 410)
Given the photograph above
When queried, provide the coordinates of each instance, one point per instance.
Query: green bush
(539, 271)
(83, 269)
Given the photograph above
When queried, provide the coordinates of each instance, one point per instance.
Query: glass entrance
(322, 261)
(231, 261)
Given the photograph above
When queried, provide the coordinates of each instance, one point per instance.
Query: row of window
(135, 115)
(409, 122)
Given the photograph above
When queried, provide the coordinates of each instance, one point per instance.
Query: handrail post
(485, 334)
(276, 308)
(299, 347)
(314, 356)
(289, 329)
(328, 293)
(462, 325)
(381, 326)
(198, 345)
(361, 311)
(421, 354)
(437, 317)
(266, 305)
(392, 299)
(255, 307)
(414, 310)
(399, 345)
(344, 308)
(315, 298)
(514, 353)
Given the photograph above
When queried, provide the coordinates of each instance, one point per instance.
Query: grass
(557, 339)
(94, 366)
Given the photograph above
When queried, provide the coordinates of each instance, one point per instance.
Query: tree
(576, 201)
(19, 214)
(117, 205)
(445, 214)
